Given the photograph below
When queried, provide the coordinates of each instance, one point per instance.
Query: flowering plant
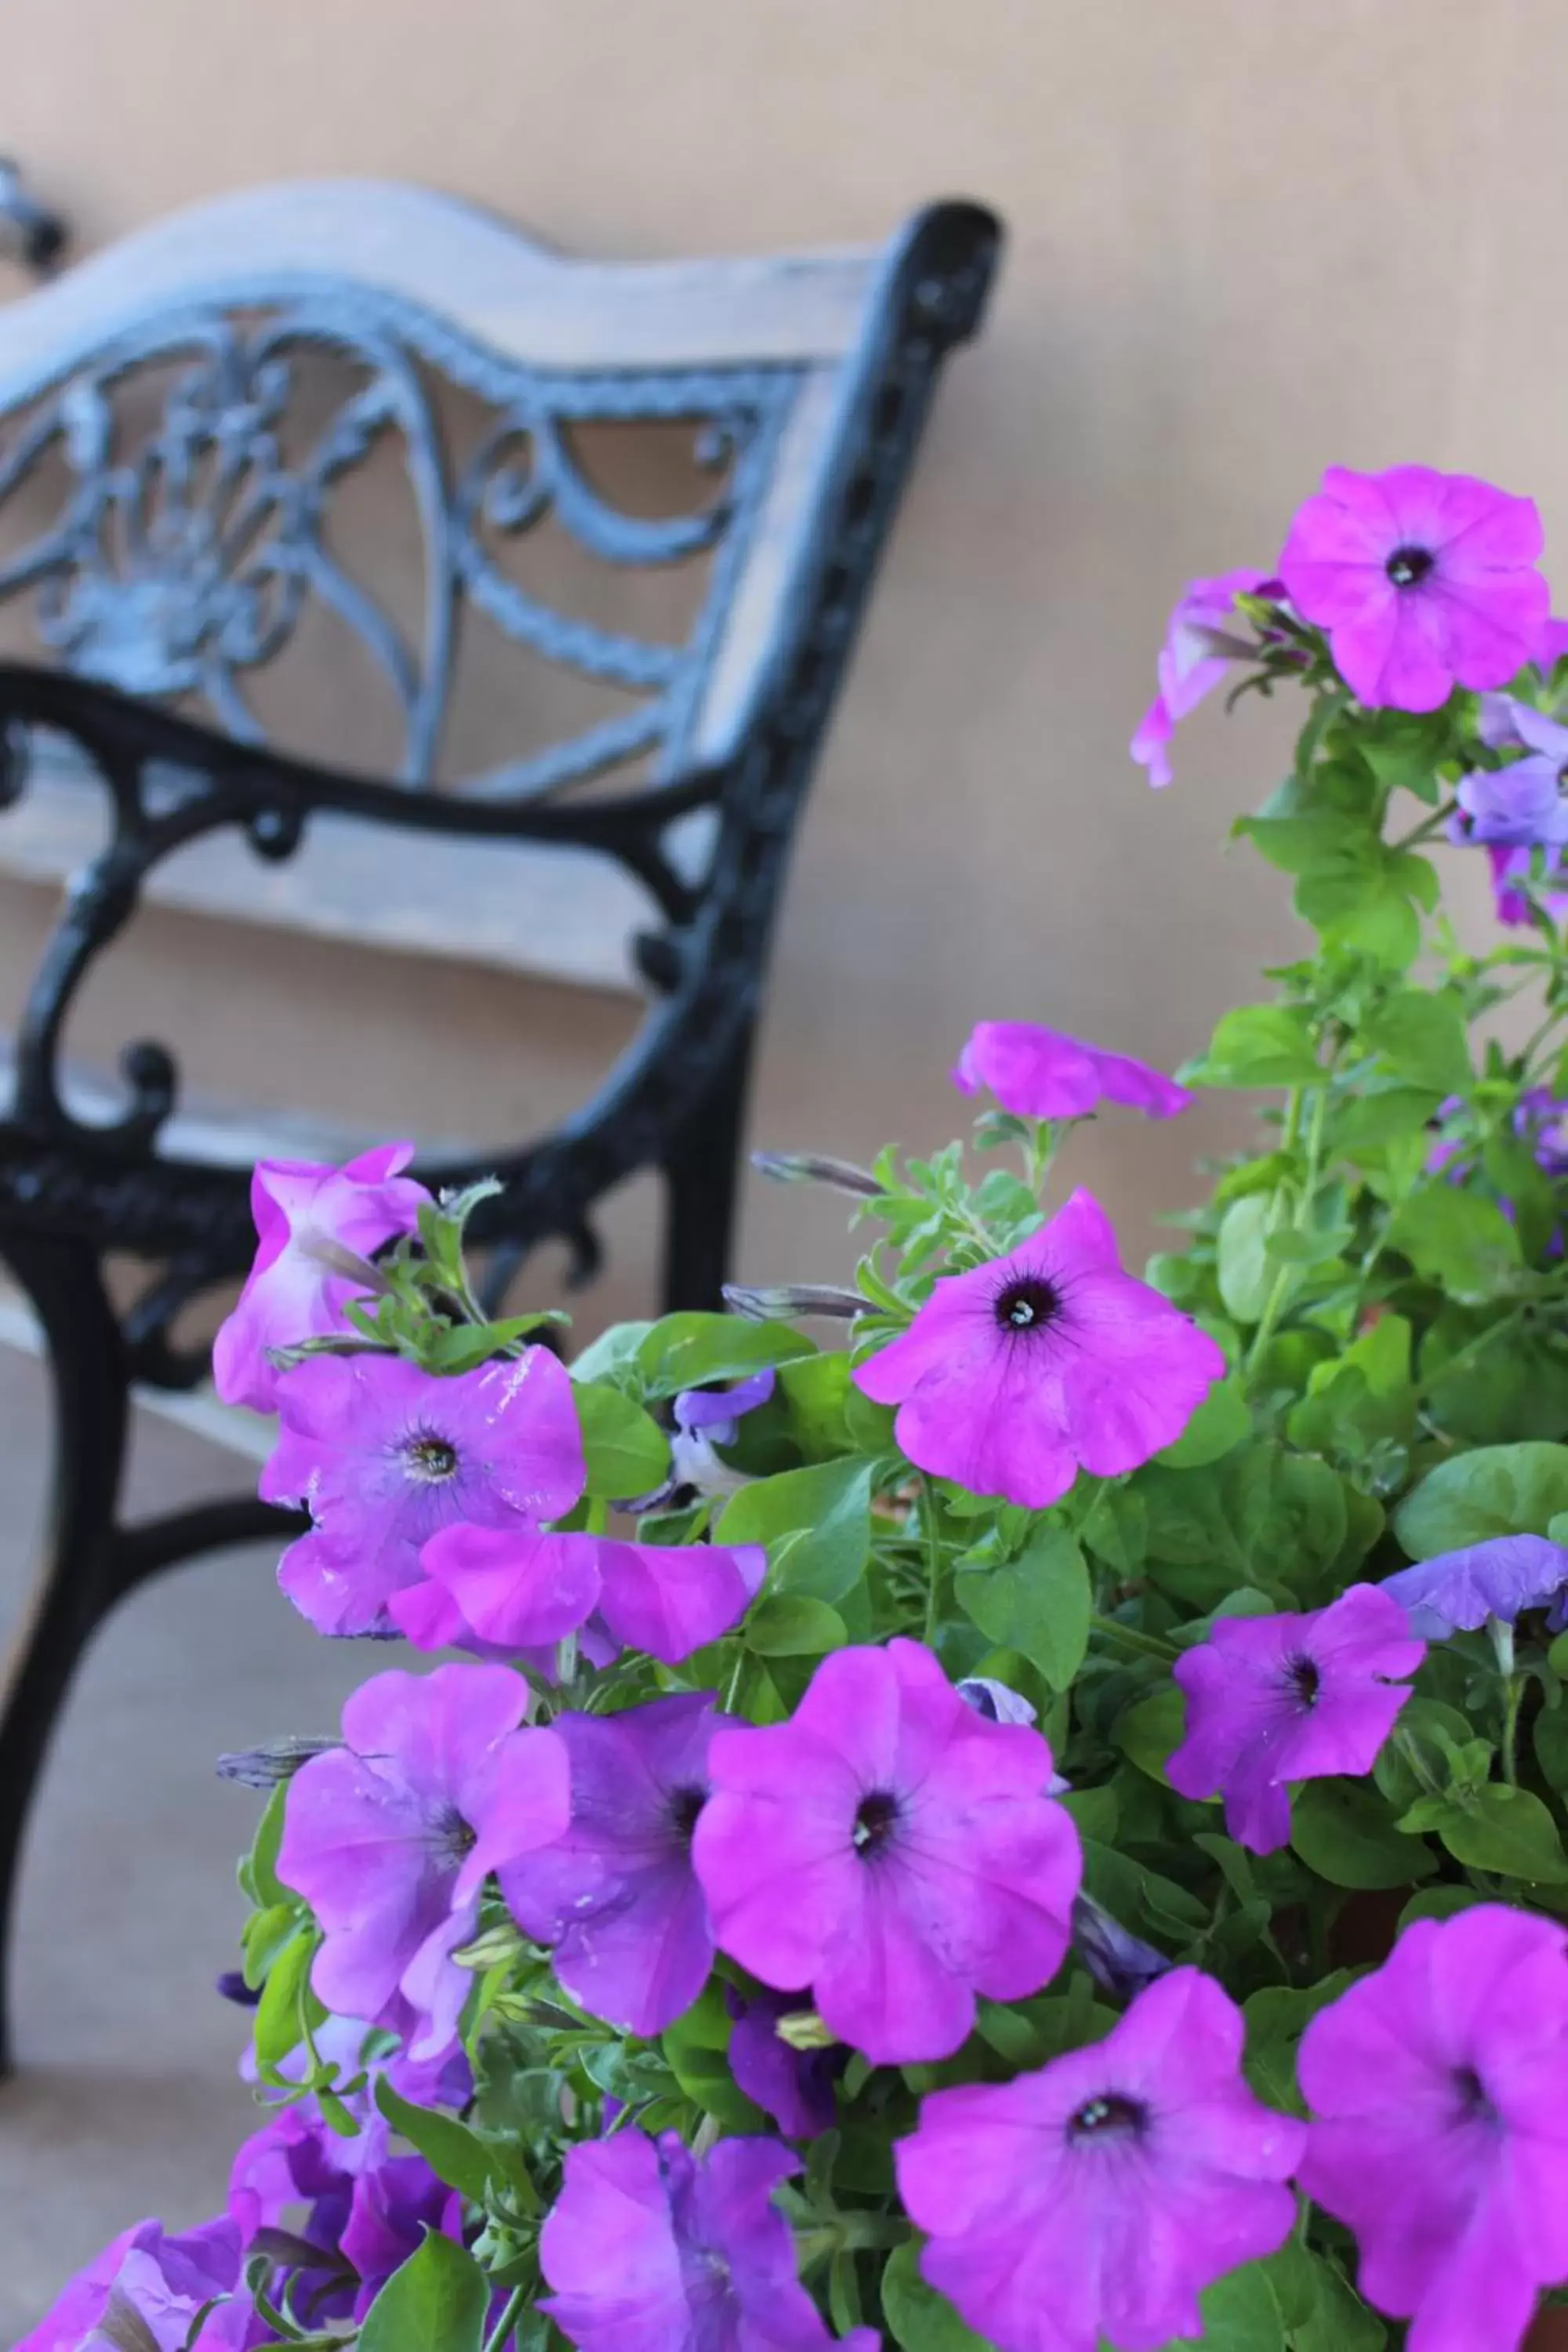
(1038, 1825)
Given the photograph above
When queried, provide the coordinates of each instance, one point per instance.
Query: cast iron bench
(181, 418)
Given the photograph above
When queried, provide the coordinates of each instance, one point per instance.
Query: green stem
(933, 1560)
(1513, 1698)
(1280, 1290)
(1131, 1637)
(1428, 827)
(504, 2326)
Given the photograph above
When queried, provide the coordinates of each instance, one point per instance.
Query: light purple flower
(366, 2217)
(891, 1849)
(1439, 2091)
(1460, 1590)
(1200, 645)
(998, 1702)
(1095, 2199)
(391, 1837)
(706, 1419)
(311, 1222)
(1120, 1963)
(165, 2282)
(1526, 803)
(1013, 1376)
(385, 1454)
(1272, 1700)
(1423, 581)
(794, 2086)
(444, 2080)
(512, 1592)
(618, 1897)
(649, 2251)
(1037, 1073)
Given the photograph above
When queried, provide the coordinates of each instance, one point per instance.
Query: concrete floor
(126, 2101)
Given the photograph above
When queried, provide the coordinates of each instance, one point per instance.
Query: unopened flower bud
(803, 2030)
(814, 1167)
(497, 1944)
(1120, 1963)
(279, 1759)
(790, 1300)
(994, 1700)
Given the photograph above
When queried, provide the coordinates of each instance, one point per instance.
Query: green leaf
(1276, 2017)
(612, 1356)
(1262, 1046)
(692, 1350)
(1149, 1732)
(466, 1345)
(793, 1625)
(1246, 1273)
(1241, 2312)
(1038, 1604)
(1459, 1240)
(259, 1872)
(627, 1452)
(1509, 1831)
(813, 1392)
(1382, 1114)
(1494, 1490)
(1421, 1035)
(278, 2012)
(437, 2302)
(1221, 1422)
(816, 1523)
(697, 2048)
(919, 2319)
(454, 2153)
(1344, 1831)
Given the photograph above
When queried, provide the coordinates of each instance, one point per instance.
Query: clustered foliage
(1384, 1281)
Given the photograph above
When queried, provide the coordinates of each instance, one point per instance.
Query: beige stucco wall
(1247, 239)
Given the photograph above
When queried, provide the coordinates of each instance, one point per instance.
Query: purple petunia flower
(1120, 1963)
(998, 1702)
(649, 2251)
(1095, 2199)
(385, 1454)
(391, 1837)
(1276, 1699)
(892, 1849)
(704, 1420)
(1013, 1376)
(1526, 803)
(794, 2086)
(1460, 1590)
(1423, 581)
(1439, 2133)
(618, 1897)
(365, 2216)
(1037, 1073)
(312, 1223)
(512, 1592)
(1510, 871)
(1200, 645)
(163, 2284)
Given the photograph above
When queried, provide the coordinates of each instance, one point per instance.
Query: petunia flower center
(1304, 1679)
(685, 1805)
(431, 1460)
(1408, 566)
(1111, 2116)
(453, 1837)
(1563, 782)
(1030, 1304)
(1474, 2104)
(875, 1823)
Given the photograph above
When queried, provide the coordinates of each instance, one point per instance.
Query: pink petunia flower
(891, 1849)
(1439, 2132)
(1037, 1073)
(1272, 1700)
(1199, 647)
(1092, 2201)
(512, 1592)
(311, 1223)
(649, 2249)
(618, 1897)
(1423, 581)
(1013, 1376)
(385, 1454)
(163, 2283)
(390, 1838)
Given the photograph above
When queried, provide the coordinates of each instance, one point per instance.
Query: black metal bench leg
(701, 1182)
(77, 1579)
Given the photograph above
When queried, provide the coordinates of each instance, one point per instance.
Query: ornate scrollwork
(182, 562)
